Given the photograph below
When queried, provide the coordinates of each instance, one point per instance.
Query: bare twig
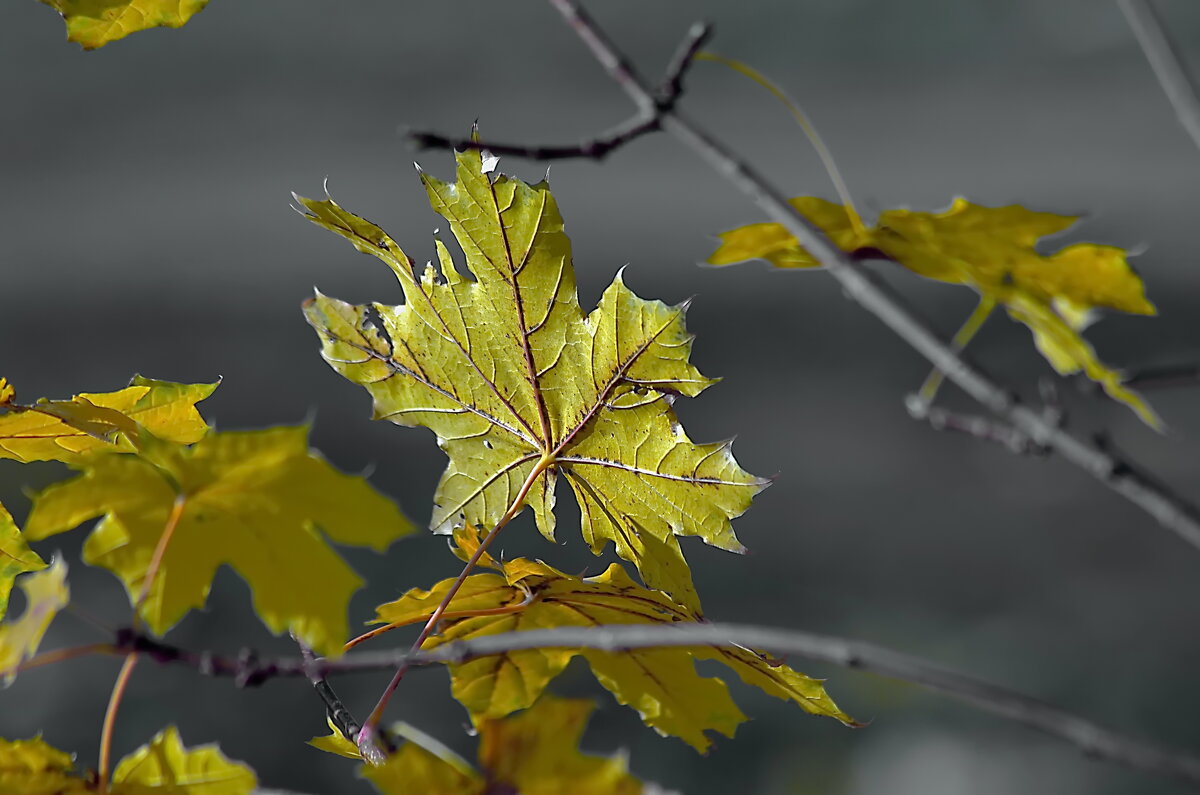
(335, 709)
(1094, 740)
(973, 425)
(1165, 61)
(646, 120)
(879, 299)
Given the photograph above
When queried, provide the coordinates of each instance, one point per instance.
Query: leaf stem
(446, 616)
(160, 551)
(367, 745)
(61, 655)
(1165, 61)
(962, 338)
(810, 132)
(110, 719)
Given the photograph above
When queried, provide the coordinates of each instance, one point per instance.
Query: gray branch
(1165, 61)
(879, 299)
(248, 669)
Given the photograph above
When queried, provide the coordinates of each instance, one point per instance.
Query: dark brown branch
(1165, 61)
(597, 148)
(1096, 741)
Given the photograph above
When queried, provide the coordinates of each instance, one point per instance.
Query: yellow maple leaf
(517, 382)
(15, 557)
(66, 430)
(661, 684)
(34, 767)
(533, 753)
(45, 595)
(164, 765)
(94, 23)
(992, 250)
(253, 500)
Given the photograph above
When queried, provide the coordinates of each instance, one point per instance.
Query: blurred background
(144, 228)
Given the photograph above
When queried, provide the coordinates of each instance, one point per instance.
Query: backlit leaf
(259, 501)
(94, 23)
(533, 753)
(34, 767)
(15, 557)
(165, 765)
(514, 378)
(992, 250)
(65, 430)
(45, 594)
(661, 684)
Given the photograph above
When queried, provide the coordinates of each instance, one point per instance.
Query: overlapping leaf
(164, 765)
(661, 684)
(252, 500)
(515, 379)
(66, 430)
(94, 23)
(533, 753)
(15, 557)
(991, 249)
(45, 595)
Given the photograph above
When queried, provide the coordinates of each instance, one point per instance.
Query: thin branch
(596, 148)
(335, 709)
(973, 425)
(1165, 61)
(1161, 377)
(862, 287)
(1094, 740)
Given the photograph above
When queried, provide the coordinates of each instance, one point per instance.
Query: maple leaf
(533, 753)
(66, 430)
(661, 684)
(253, 500)
(164, 765)
(94, 23)
(34, 767)
(15, 557)
(517, 382)
(992, 250)
(45, 594)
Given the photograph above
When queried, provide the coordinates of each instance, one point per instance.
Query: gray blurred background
(144, 228)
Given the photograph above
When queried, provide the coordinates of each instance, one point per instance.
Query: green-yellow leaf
(34, 767)
(661, 684)
(992, 250)
(259, 501)
(66, 430)
(516, 381)
(94, 23)
(15, 557)
(45, 594)
(533, 753)
(161, 767)
(164, 765)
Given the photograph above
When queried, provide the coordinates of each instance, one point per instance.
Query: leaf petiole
(962, 338)
(366, 739)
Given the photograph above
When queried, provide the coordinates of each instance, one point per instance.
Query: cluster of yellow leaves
(253, 500)
(67, 430)
(661, 684)
(519, 383)
(94, 23)
(533, 753)
(164, 765)
(992, 250)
